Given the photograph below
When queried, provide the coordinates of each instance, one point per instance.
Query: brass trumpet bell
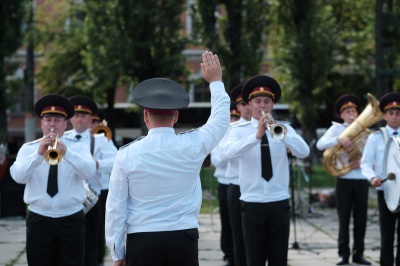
(277, 130)
(103, 128)
(53, 156)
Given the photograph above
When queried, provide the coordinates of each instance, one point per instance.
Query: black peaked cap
(261, 81)
(84, 104)
(160, 94)
(54, 104)
(346, 100)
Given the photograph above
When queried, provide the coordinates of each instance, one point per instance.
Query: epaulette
(242, 124)
(33, 141)
(234, 123)
(68, 131)
(126, 145)
(188, 131)
(377, 131)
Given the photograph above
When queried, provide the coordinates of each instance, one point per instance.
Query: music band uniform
(221, 165)
(265, 204)
(155, 190)
(351, 188)
(372, 167)
(55, 225)
(99, 120)
(232, 174)
(103, 152)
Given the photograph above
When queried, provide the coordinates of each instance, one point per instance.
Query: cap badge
(261, 88)
(53, 108)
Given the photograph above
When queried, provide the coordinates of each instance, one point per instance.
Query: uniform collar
(391, 130)
(84, 134)
(161, 130)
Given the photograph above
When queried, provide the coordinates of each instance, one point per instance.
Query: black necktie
(395, 133)
(266, 165)
(78, 137)
(52, 186)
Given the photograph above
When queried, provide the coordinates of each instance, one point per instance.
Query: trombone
(276, 129)
(53, 156)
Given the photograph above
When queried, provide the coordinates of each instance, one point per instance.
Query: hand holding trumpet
(266, 121)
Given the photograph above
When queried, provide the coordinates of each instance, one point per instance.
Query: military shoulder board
(242, 124)
(126, 145)
(188, 131)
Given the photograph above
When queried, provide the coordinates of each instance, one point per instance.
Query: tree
(237, 34)
(12, 14)
(112, 43)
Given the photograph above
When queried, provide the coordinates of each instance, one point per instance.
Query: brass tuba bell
(103, 128)
(53, 156)
(337, 160)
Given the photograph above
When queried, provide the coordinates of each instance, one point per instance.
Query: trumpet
(277, 130)
(53, 156)
(103, 128)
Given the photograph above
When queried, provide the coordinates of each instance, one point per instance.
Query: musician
(55, 194)
(264, 185)
(232, 174)
(221, 165)
(97, 120)
(372, 167)
(155, 189)
(351, 188)
(103, 152)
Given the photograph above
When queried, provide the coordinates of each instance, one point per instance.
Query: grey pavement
(313, 239)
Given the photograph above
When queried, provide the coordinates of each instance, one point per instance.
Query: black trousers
(226, 231)
(92, 235)
(266, 232)
(101, 240)
(235, 217)
(388, 220)
(351, 196)
(167, 248)
(55, 241)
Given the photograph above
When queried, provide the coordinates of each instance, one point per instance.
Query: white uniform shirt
(31, 169)
(329, 139)
(232, 171)
(373, 155)
(155, 183)
(103, 152)
(219, 163)
(243, 144)
(105, 175)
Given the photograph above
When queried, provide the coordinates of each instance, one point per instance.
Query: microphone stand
(295, 244)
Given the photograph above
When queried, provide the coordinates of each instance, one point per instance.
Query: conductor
(155, 190)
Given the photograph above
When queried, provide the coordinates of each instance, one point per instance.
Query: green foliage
(236, 31)
(12, 17)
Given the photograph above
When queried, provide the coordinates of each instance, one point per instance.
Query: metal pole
(29, 85)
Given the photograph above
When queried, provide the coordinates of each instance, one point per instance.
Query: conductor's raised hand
(211, 68)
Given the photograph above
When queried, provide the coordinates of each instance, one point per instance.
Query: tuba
(53, 156)
(336, 160)
(103, 128)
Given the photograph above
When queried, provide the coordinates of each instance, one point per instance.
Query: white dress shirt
(243, 144)
(329, 139)
(373, 155)
(232, 171)
(103, 152)
(105, 174)
(155, 184)
(31, 169)
(219, 163)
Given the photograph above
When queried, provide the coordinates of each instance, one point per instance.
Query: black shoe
(361, 261)
(343, 261)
